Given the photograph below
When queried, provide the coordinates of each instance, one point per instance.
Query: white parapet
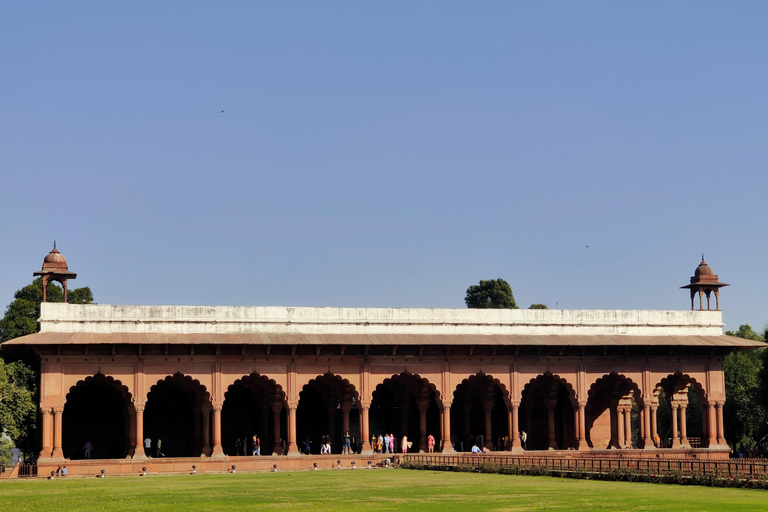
(104, 318)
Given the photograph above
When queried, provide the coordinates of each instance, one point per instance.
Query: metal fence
(27, 470)
(741, 467)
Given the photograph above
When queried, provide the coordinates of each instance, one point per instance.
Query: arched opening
(479, 413)
(253, 405)
(327, 407)
(176, 413)
(406, 405)
(97, 412)
(613, 414)
(548, 406)
(683, 412)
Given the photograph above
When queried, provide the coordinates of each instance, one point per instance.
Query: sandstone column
(720, 427)
(138, 451)
(582, 426)
(654, 421)
(711, 422)
(47, 433)
(217, 450)
(365, 434)
(293, 447)
(683, 427)
(346, 407)
(647, 441)
(514, 427)
(57, 452)
(447, 445)
(619, 427)
(207, 448)
(675, 438)
(627, 427)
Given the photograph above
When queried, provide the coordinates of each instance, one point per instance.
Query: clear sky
(387, 153)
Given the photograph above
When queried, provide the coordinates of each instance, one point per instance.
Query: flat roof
(153, 338)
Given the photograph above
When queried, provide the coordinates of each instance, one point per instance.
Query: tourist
(148, 447)
(475, 449)
(87, 450)
(524, 440)
(238, 444)
(373, 442)
(284, 446)
(256, 445)
(386, 443)
(430, 443)
(391, 443)
(380, 444)
(404, 444)
(307, 444)
(64, 470)
(347, 444)
(158, 448)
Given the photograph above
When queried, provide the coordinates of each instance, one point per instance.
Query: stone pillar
(57, 452)
(217, 450)
(720, 427)
(514, 414)
(619, 427)
(627, 427)
(684, 427)
(487, 408)
(423, 426)
(332, 422)
(446, 439)
(365, 434)
(647, 441)
(138, 451)
(551, 425)
(293, 447)
(711, 421)
(675, 438)
(277, 448)
(582, 412)
(207, 448)
(47, 432)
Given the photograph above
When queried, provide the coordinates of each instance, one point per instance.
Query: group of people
(385, 443)
(158, 447)
(241, 445)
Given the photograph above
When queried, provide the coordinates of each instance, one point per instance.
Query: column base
(57, 454)
(448, 449)
(517, 449)
(649, 445)
(140, 456)
(217, 452)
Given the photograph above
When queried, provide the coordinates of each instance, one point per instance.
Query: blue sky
(387, 153)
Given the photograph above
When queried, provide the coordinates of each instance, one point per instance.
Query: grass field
(380, 489)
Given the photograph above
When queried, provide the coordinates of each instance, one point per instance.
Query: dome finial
(54, 246)
(702, 255)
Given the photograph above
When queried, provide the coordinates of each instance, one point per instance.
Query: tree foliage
(19, 376)
(491, 294)
(745, 413)
(538, 306)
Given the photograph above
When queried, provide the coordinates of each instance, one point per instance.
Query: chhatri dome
(55, 269)
(704, 282)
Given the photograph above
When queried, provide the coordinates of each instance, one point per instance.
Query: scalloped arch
(416, 378)
(621, 377)
(182, 378)
(557, 378)
(260, 379)
(105, 379)
(482, 375)
(677, 378)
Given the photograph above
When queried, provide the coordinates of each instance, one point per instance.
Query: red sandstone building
(201, 378)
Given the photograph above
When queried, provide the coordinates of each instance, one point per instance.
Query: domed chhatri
(704, 282)
(55, 269)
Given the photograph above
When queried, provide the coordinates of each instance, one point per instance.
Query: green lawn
(362, 489)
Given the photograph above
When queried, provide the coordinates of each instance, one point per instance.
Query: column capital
(217, 406)
(57, 409)
(277, 408)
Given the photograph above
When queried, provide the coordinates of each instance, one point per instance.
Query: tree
(492, 294)
(19, 376)
(538, 306)
(744, 413)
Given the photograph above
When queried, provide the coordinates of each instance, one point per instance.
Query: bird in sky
(222, 111)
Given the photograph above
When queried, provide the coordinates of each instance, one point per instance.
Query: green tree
(19, 376)
(538, 306)
(744, 412)
(491, 294)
